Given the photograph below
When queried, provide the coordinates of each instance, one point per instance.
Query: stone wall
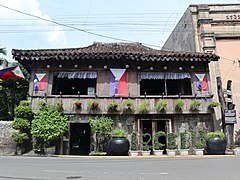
(7, 145)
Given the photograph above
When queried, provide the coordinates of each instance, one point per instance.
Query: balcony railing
(69, 106)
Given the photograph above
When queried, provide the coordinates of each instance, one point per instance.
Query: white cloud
(51, 33)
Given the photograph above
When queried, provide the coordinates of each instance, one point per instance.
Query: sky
(41, 24)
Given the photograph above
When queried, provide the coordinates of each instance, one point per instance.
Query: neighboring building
(109, 72)
(213, 28)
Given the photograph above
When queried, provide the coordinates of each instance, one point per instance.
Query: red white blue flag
(39, 82)
(14, 71)
(201, 80)
(118, 84)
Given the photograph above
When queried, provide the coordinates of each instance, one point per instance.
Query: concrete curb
(145, 157)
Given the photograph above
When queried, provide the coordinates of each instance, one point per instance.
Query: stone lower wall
(7, 145)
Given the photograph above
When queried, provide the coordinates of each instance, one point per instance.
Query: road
(85, 168)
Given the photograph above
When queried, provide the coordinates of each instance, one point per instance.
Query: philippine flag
(118, 84)
(39, 82)
(201, 82)
(14, 71)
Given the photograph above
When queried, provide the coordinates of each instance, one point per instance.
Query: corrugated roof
(116, 51)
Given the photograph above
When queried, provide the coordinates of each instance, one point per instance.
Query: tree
(101, 126)
(48, 126)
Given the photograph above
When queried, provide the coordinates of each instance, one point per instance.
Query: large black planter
(118, 146)
(216, 145)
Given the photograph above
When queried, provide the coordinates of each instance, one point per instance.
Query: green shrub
(20, 138)
(119, 133)
(145, 144)
(157, 144)
(134, 141)
(198, 139)
(23, 112)
(48, 125)
(101, 126)
(185, 144)
(178, 104)
(161, 105)
(171, 143)
(20, 124)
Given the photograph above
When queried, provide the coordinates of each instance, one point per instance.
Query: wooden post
(228, 129)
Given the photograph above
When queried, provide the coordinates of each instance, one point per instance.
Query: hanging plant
(213, 104)
(178, 105)
(161, 105)
(143, 108)
(93, 104)
(78, 103)
(195, 104)
(128, 104)
(113, 106)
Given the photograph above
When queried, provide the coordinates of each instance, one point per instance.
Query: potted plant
(216, 143)
(185, 143)
(195, 104)
(134, 147)
(178, 105)
(93, 105)
(161, 105)
(113, 106)
(145, 144)
(143, 108)
(171, 144)
(213, 104)
(158, 147)
(198, 142)
(128, 105)
(118, 144)
(78, 103)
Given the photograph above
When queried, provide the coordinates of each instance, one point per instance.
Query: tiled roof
(98, 51)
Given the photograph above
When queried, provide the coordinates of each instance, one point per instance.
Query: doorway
(79, 139)
(152, 126)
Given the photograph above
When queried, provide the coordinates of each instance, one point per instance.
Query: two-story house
(108, 72)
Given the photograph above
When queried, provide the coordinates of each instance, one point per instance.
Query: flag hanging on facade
(14, 71)
(118, 84)
(201, 80)
(39, 82)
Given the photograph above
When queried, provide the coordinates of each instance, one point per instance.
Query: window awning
(163, 75)
(77, 75)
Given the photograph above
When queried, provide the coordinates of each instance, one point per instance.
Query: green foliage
(42, 104)
(178, 104)
(171, 141)
(213, 104)
(23, 112)
(145, 144)
(198, 139)
(20, 138)
(211, 135)
(128, 104)
(20, 124)
(112, 106)
(119, 133)
(195, 104)
(134, 141)
(161, 105)
(93, 104)
(143, 108)
(157, 144)
(24, 103)
(48, 125)
(58, 105)
(102, 126)
(185, 140)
